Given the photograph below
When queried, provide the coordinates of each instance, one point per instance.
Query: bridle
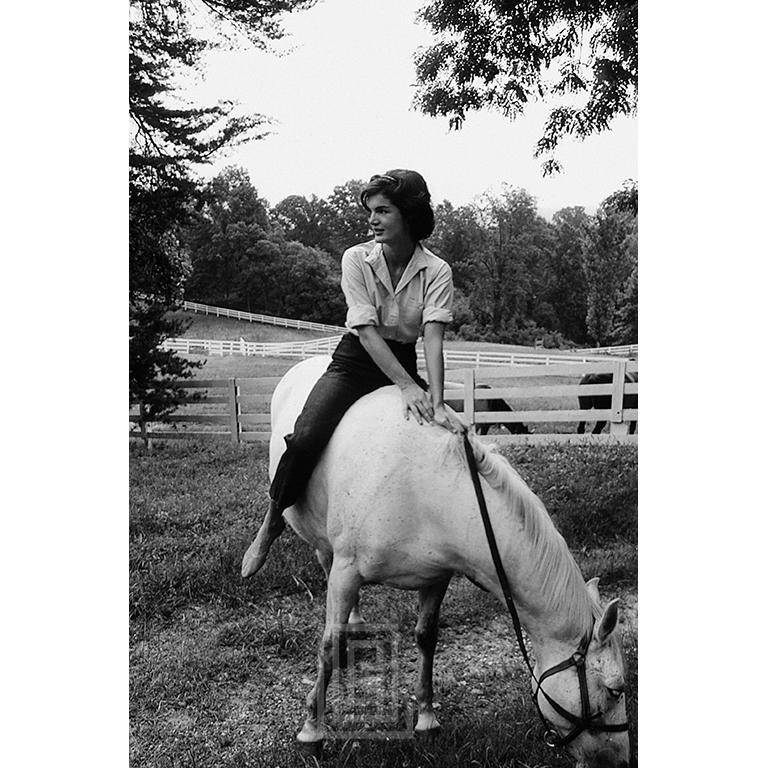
(586, 720)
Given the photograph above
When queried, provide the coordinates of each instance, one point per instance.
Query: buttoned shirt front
(423, 294)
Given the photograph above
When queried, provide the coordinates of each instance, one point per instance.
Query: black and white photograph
(383, 499)
(384, 383)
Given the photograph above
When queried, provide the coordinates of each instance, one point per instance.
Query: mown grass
(220, 667)
(203, 326)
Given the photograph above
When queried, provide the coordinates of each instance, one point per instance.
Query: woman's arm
(433, 354)
(415, 399)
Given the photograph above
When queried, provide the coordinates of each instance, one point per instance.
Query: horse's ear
(592, 589)
(608, 621)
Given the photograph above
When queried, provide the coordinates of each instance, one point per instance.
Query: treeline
(518, 277)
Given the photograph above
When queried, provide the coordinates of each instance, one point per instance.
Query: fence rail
(285, 322)
(578, 355)
(302, 349)
(624, 350)
(542, 397)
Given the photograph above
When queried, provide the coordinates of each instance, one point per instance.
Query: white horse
(392, 502)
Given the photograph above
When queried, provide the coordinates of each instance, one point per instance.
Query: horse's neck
(552, 601)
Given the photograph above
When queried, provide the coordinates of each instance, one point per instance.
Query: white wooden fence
(294, 349)
(285, 322)
(624, 350)
(299, 349)
(543, 398)
(302, 349)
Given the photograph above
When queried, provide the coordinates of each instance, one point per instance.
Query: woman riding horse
(393, 287)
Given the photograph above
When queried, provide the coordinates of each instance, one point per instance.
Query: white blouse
(424, 293)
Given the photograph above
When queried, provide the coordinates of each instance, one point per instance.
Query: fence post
(234, 411)
(469, 396)
(143, 426)
(618, 425)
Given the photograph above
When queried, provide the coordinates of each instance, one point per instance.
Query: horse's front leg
(343, 586)
(426, 639)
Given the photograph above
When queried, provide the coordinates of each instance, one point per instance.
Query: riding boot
(271, 528)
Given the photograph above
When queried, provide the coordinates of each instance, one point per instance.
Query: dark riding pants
(351, 374)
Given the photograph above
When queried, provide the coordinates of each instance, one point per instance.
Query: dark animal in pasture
(497, 404)
(603, 402)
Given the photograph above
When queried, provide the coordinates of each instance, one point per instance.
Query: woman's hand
(446, 418)
(416, 401)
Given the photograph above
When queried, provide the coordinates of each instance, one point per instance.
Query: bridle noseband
(587, 720)
(580, 724)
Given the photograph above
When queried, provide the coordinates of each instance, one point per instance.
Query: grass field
(229, 329)
(220, 667)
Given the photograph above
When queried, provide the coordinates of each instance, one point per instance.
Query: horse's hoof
(311, 748)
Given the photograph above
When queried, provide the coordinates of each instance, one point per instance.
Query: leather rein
(583, 722)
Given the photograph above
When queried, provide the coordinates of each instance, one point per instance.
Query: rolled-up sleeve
(360, 308)
(438, 300)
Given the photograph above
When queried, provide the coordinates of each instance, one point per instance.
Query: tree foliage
(504, 54)
(241, 258)
(610, 257)
(332, 224)
(518, 278)
(167, 137)
(306, 220)
(568, 289)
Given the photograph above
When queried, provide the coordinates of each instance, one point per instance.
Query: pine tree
(166, 140)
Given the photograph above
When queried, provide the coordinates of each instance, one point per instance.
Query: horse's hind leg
(326, 561)
(343, 586)
(426, 639)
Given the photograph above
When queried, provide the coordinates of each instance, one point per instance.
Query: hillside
(225, 328)
(229, 329)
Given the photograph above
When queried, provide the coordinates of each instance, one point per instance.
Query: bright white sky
(341, 101)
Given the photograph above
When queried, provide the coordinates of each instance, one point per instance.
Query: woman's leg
(330, 398)
(326, 404)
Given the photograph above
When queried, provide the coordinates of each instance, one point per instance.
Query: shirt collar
(376, 259)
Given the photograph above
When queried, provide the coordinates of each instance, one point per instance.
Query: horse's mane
(561, 581)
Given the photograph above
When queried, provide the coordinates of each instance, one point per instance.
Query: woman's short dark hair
(408, 191)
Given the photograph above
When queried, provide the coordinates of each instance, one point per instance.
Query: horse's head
(582, 697)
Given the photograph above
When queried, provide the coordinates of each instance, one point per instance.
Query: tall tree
(229, 224)
(504, 54)
(610, 257)
(511, 274)
(568, 291)
(458, 238)
(242, 259)
(167, 138)
(307, 220)
(349, 220)
(626, 330)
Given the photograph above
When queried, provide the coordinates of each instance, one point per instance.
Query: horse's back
(389, 489)
(380, 485)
